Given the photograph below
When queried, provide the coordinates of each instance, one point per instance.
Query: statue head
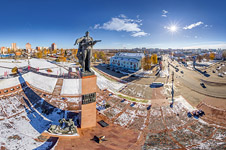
(87, 33)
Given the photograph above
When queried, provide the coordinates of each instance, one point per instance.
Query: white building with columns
(130, 61)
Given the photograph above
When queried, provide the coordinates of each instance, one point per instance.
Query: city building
(3, 50)
(13, 47)
(53, 46)
(38, 48)
(28, 46)
(130, 61)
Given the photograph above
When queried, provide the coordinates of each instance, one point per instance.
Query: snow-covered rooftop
(138, 55)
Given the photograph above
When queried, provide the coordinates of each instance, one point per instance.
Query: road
(192, 80)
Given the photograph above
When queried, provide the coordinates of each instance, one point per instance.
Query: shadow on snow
(41, 113)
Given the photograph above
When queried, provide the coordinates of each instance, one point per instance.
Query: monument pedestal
(88, 114)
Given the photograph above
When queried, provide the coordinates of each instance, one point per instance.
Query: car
(213, 71)
(177, 70)
(132, 75)
(182, 72)
(204, 72)
(108, 67)
(203, 85)
(220, 75)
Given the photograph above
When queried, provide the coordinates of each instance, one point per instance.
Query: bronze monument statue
(69, 128)
(84, 54)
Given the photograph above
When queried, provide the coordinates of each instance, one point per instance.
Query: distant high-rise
(14, 46)
(53, 46)
(3, 50)
(28, 46)
(38, 48)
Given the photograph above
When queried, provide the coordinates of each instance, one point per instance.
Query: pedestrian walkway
(58, 87)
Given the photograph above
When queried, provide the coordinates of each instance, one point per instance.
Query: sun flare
(173, 28)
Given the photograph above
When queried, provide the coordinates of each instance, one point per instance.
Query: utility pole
(172, 92)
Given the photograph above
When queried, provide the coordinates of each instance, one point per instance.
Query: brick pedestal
(88, 114)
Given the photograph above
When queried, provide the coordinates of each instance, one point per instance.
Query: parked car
(220, 75)
(117, 71)
(132, 75)
(213, 71)
(203, 85)
(182, 72)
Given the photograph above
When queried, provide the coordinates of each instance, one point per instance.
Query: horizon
(130, 24)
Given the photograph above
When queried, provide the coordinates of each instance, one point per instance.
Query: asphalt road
(192, 80)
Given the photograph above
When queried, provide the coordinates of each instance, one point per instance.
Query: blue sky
(118, 23)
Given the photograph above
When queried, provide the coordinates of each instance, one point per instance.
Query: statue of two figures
(84, 54)
(65, 127)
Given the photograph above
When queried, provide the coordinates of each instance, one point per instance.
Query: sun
(173, 28)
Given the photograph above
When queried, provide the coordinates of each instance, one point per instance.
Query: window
(5, 91)
(12, 89)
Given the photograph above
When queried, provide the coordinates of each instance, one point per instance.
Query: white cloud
(96, 26)
(139, 34)
(164, 13)
(193, 25)
(122, 16)
(122, 23)
(206, 26)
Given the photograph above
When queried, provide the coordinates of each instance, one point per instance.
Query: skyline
(128, 24)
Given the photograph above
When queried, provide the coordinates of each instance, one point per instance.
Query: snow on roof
(130, 55)
(127, 59)
(40, 82)
(7, 83)
(71, 87)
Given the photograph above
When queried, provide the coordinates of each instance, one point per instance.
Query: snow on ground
(17, 132)
(55, 71)
(168, 88)
(42, 64)
(40, 82)
(164, 73)
(71, 87)
(7, 83)
(3, 70)
(184, 103)
(124, 119)
(104, 83)
(11, 138)
(74, 99)
(11, 63)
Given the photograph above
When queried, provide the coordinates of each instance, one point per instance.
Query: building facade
(3, 50)
(28, 46)
(53, 46)
(130, 61)
(14, 47)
